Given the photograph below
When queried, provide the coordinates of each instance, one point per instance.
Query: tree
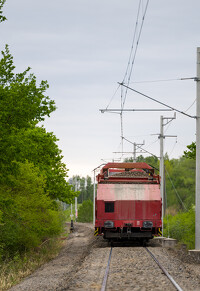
(151, 160)
(23, 103)
(32, 174)
(191, 154)
(39, 147)
(23, 106)
(85, 212)
(180, 178)
(85, 187)
(2, 18)
(28, 215)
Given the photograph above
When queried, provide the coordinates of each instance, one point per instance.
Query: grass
(13, 271)
(181, 227)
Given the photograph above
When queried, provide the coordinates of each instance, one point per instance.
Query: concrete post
(72, 223)
(134, 152)
(197, 208)
(162, 166)
(76, 209)
(94, 194)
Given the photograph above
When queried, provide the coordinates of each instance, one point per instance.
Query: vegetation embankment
(32, 174)
(181, 227)
(85, 212)
(22, 265)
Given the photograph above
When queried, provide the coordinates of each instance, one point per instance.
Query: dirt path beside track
(56, 274)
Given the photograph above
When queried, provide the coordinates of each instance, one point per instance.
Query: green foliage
(85, 187)
(15, 269)
(2, 18)
(85, 213)
(32, 174)
(181, 227)
(180, 178)
(151, 160)
(191, 154)
(39, 147)
(24, 104)
(28, 214)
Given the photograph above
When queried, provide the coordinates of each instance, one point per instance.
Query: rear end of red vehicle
(128, 203)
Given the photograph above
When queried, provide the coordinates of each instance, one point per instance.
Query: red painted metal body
(128, 203)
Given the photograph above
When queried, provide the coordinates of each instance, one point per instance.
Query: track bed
(82, 263)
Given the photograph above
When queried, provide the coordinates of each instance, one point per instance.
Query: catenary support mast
(76, 209)
(162, 162)
(94, 194)
(162, 166)
(197, 209)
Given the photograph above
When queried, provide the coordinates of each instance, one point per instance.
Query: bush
(28, 215)
(181, 227)
(85, 213)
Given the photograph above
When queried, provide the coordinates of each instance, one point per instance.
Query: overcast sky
(82, 49)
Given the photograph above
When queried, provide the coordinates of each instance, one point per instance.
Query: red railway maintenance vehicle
(128, 202)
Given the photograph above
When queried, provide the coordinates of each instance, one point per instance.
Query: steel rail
(164, 271)
(103, 287)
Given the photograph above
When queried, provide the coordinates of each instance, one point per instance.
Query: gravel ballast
(82, 262)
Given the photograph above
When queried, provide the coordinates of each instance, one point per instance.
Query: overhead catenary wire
(133, 41)
(191, 105)
(147, 152)
(157, 101)
(153, 81)
(131, 59)
(162, 80)
(140, 147)
(155, 141)
(112, 97)
(173, 148)
(136, 48)
(131, 52)
(126, 73)
(181, 201)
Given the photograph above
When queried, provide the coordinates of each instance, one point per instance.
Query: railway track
(171, 280)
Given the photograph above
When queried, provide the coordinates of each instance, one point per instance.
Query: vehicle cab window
(109, 207)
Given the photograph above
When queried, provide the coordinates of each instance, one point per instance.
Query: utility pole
(135, 146)
(162, 164)
(76, 209)
(134, 152)
(94, 191)
(197, 202)
(94, 196)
